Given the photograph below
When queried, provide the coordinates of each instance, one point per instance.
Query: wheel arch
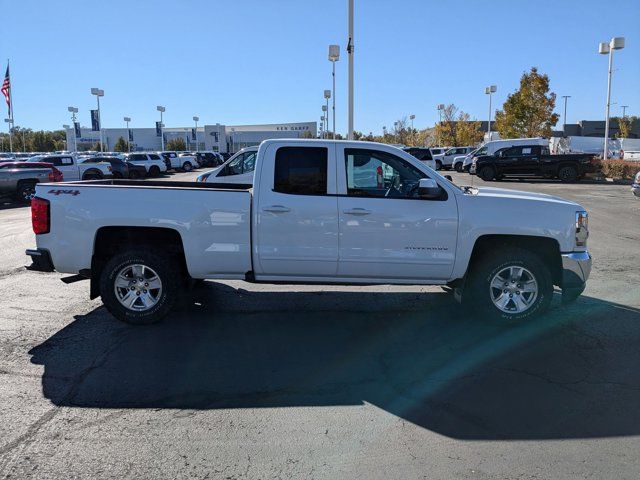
(548, 249)
(111, 240)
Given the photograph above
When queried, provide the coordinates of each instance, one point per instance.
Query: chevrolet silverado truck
(321, 212)
(533, 161)
(20, 178)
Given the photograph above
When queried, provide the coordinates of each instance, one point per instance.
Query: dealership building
(217, 137)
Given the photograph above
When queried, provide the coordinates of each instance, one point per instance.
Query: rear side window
(301, 170)
(153, 156)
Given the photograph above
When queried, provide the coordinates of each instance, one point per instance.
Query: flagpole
(10, 109)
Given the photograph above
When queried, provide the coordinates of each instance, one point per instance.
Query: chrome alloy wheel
(513, 289)
(138, 287)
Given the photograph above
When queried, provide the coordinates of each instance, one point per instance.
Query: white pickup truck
(72, 167)
(319, 211)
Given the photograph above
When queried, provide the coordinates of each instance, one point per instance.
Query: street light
(196, 119)
(616, 43)
(99, 93)
(73, 111)
(161, 109)
(334, 56)
(413, 132)
(564, 118)
(127, 120)
(10, 121)
(440, 109)
(624, 110)
(489, 91)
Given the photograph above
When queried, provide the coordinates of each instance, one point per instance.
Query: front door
(386, 230)
(296, 226)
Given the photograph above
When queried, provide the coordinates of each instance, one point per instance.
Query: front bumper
(41, 260)
(576, 267)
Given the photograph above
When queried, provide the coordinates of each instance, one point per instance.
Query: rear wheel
(26, 191)
(513, 284)
(154, 171)
(487, 173)
(92, 176)
(187, 167)
(438, 165)
(458, 167)
(134, 174)
(568, 174)
(117, 175)
(139, 286)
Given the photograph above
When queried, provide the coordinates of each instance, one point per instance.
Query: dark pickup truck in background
(533, 161)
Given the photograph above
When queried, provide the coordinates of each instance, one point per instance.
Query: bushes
(620, 169)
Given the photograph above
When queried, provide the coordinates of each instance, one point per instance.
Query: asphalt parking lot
(266, 381)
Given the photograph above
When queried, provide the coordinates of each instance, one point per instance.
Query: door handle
(357, 211)
(276, 209)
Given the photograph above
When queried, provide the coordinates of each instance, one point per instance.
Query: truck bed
(213, 221)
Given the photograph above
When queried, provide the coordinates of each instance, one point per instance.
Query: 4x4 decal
(65, 192)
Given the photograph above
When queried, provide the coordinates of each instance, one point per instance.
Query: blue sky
(265, 61)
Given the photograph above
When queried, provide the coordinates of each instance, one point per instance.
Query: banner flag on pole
(76, 127)
(95, 122)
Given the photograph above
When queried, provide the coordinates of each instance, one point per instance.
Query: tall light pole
(66, 127)
(327, 96)
(127, 120)
(350, 49)
(616, 43)
(440, 109)
(196, 119)
(73, 111)
(413, 132)
(161, 109)
(322, 127)
(490, 90)
(395, 131)
(564, 118)
(10, 122)
(99, 93)
(334, 56)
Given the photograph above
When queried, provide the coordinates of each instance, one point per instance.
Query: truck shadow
(572, 374)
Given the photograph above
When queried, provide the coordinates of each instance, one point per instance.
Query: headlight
(203, 178)
(582, 228)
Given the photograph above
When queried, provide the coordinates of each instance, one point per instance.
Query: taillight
(55, 175)
(40, 215)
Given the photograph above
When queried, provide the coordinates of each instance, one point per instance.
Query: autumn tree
(528, 112)
(456, 128)
(625, 125)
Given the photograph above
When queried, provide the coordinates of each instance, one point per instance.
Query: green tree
(528, 112)
(121, 145)
(467, 131)
(446, 128)
(176, 144)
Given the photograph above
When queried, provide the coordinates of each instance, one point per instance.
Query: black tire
(568, 174)
(187, 167)
(438, 165)
(134, 174)
(167, 271)
(458, 167)
(117, 175)
(92, 176)
(26, 191)
(478, 294)
(154, 171)
(487, 173)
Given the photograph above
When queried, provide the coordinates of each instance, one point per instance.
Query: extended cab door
(386, 230)
(296, 212)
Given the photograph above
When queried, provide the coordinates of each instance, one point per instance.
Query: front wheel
(568, 174)
(487, 173)
(513, 284)
(458, 167)
(139, 286)
(154, 171)
(438, 165)
(187, 167)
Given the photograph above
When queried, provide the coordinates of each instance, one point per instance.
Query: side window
(249, 163)
(153, 156)
(235, 167)
(527, 151)
(301, 170)
(371, 173)
(138, 156)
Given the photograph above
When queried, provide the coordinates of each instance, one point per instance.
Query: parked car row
(19, 179)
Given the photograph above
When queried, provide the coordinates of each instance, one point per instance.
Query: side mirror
(428, 189)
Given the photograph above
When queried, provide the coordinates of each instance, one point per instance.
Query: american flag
(6, 87)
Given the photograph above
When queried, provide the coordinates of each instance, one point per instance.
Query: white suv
(152, 162)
